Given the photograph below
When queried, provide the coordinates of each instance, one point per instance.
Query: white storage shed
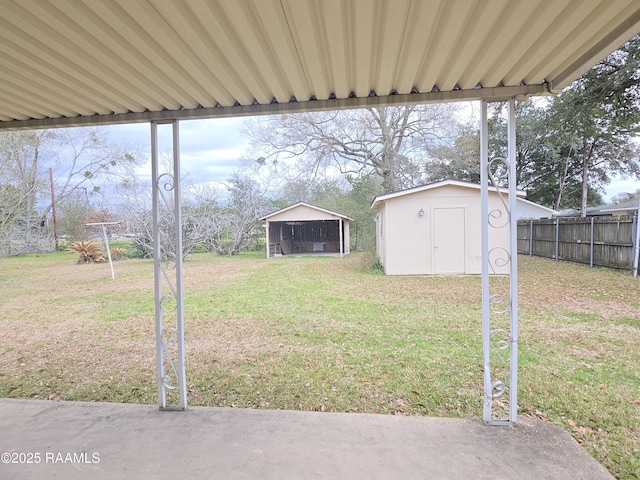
(435, 229)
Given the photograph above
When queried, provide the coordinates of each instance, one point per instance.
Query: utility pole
(53, 210)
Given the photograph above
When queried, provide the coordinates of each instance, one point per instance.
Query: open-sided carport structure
(303, 228)
(70, 62)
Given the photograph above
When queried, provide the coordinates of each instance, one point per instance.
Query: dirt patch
(228, 341)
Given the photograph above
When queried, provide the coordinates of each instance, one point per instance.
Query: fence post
(591, 245)
(636, 245)
(530, 237)
(557, 236)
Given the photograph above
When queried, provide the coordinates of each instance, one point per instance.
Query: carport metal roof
(71, 62)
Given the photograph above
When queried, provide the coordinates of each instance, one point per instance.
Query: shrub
(135, 253)
(118, 253)
(377, 267)
(89, 252)
(371, 263)
(141, 247)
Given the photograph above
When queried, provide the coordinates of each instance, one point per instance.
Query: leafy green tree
(569, 146)
(584, 135)
(458, 161)
(597, 139)
(358, 208)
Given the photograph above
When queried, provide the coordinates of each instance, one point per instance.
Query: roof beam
(493, 94)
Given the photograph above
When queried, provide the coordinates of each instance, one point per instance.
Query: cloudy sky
(212, 150)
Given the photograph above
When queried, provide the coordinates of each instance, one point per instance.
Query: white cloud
(210, 150)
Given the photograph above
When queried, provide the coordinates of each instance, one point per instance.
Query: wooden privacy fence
(597, 241)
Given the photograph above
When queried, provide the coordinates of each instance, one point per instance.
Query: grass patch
(330, 334)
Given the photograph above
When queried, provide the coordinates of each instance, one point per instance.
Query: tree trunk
(585, 188)
(587, 152)
(562, 180)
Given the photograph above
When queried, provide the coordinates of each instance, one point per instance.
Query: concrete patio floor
(111, 441)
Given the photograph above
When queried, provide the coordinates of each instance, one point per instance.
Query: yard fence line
(9, 248)
(597, 241)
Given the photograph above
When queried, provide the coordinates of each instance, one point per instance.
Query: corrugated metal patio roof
(69, 62)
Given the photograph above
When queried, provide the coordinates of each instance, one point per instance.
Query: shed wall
(407, 240)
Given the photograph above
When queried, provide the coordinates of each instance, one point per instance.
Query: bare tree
(81, 158)
(237, 220)
(86, 159)
(392, 143)
(20, 184)
(222, 220)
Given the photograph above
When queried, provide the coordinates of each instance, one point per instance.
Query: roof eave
(491, 94)
(300, 204)
(626, 30)
(430, 186)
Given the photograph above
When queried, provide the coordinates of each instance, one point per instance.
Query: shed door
(448, 240)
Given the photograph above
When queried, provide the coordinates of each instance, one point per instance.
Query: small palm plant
(89, 252)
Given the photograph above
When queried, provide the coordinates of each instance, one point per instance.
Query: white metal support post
(340, 236)
(167, 262)
(105, 237)
(499, 297)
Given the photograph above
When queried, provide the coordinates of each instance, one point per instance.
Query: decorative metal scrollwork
(169, 339)
(501, 342)
(499, 259)
(168, 301)
(168, 281)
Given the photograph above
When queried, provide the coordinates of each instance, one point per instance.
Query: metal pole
(157, 277)
(103, 225)
(106, 245)
(267, 237)
(498, 299)
(557, 237)
(636, 244)
(182, 380)
(486, 301)
(591, 244)
(167, 262)
(53, 210)
(513, 250)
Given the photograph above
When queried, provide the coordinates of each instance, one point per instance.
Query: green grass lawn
(328, 334)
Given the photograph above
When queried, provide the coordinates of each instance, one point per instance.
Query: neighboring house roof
(618, 208)
(449, 182)
(303, 204)
(626, 207)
